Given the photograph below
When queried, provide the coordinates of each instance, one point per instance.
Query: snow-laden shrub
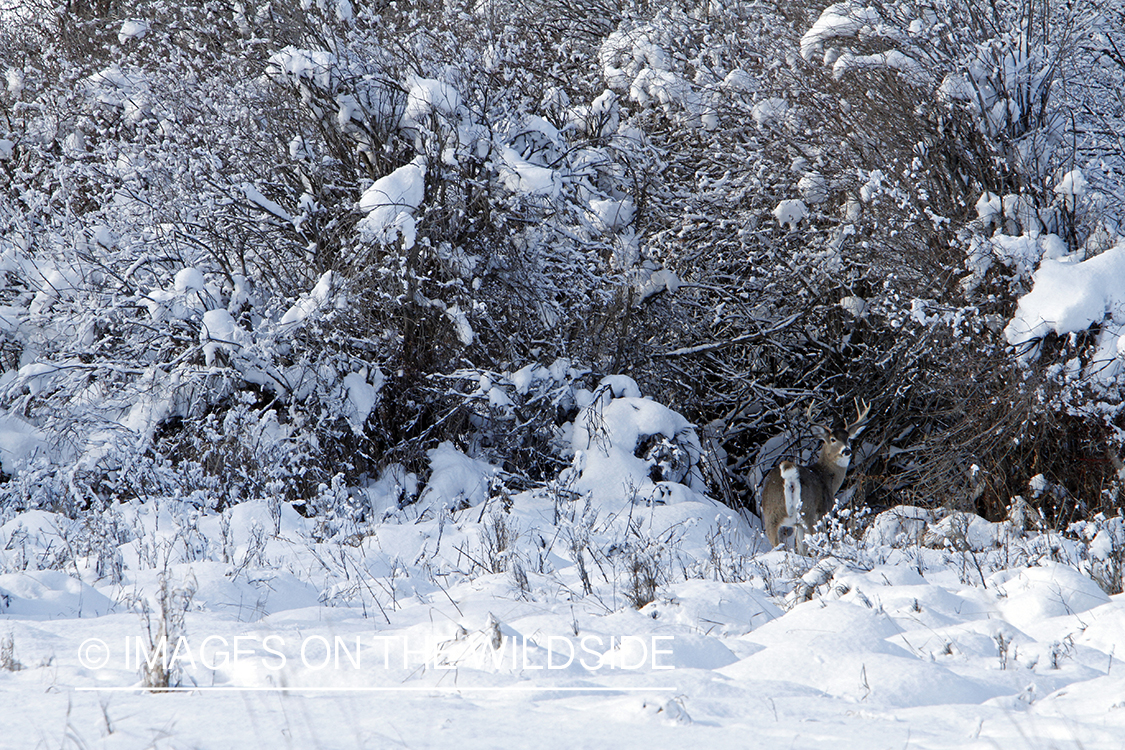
(628, 446)
(8, 660)
(234, 285)
(858, 295)
(164, 627)
(358, 219)
(1105, 561)
(1000, 66)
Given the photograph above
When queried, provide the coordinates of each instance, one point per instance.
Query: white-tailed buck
(799, 496)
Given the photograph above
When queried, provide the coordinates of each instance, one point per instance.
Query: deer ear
(821, 431)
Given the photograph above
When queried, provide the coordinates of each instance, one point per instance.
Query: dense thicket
(282, 249)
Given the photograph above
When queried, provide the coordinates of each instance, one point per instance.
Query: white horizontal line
(402, 689)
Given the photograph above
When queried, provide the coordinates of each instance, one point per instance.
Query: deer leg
(799, 539)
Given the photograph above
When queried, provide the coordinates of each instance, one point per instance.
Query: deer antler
(819, 429)
(862, 409)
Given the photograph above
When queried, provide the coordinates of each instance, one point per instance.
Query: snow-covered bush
(164, 629)
(901, 188)
(1105, 562)
(295, 283)
(359, 217)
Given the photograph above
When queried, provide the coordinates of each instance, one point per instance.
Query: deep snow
(472, 618)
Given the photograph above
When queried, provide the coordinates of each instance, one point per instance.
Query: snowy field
(471, 618)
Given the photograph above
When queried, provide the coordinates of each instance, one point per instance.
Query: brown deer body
(799, 496)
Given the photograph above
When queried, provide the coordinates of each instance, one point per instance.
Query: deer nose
(847, 451)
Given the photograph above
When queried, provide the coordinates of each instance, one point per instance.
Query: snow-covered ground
(475, 618)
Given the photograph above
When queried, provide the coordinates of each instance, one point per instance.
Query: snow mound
(848, 21)
(50, 594)
(612, 215)
(850, 652)
(390, 204)
(966, 531)
(770, 111)
(362, 396)
(902, 525)
(733, 609)
(1031, 595)
(522, 176)
(132, 29)
(637, 61)
(312, 65)
(220, 332)
(609, 436)
(649, 281)
(841, 20)
(600, 119)
(1072, 184)
(790, 213)
(456, 480)
(892, 59)
(1068, 297)
(19, 442)
(189, 296)
(311, 302)
(534, 594)
(427, 96)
